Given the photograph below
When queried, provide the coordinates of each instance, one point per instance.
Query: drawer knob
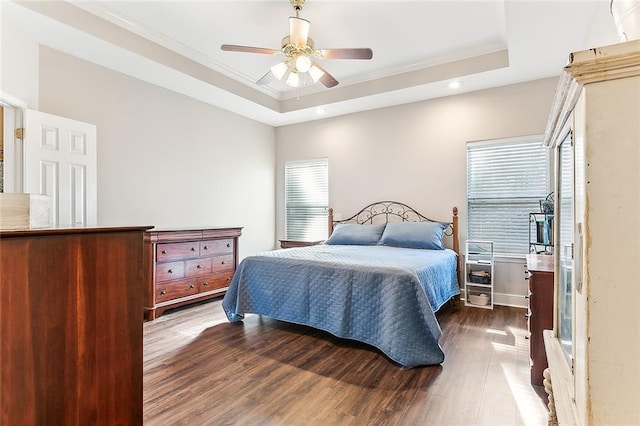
(192, 287)
(526, 297)
(526, 337)
(228, 244)
(199, 267)
(228, 278)
(193, 249)
(222, 262)
(163, 292)
(206, 283)
(170, 271)
(205, 248)
(164, 252)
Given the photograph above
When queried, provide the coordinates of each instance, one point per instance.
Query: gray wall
(165, 159)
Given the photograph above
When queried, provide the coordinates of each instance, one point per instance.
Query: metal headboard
(389, 211)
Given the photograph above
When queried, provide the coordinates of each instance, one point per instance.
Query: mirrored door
(565, 242)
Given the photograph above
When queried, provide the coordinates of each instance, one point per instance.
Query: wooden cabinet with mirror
(594, 347)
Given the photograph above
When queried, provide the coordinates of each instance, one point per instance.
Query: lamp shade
(626, 17)
(298, 31)
(294, 79)
(315, 73)
(279, 70)
(303, 63)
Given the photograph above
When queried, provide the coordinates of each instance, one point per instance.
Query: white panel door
(60, 161)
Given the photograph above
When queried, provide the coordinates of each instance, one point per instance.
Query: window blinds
(306, 199)
(505, 182)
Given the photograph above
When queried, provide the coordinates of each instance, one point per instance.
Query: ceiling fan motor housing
(291, 49)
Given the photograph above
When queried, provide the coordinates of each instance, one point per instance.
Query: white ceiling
(419, 47)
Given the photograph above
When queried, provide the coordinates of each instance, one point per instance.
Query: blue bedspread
(383, 296)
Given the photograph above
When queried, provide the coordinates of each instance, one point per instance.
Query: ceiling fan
(300, 53)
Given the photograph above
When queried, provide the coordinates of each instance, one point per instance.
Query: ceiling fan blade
(298, 31)
(248, 49)
(266, 79)
(347, 53)
(327, 79)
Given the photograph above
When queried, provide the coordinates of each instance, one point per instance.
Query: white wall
(18, 89)
(414, 153)
(165, 159)
(18, 64)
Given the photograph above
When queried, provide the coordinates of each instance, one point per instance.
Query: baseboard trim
(514, 300)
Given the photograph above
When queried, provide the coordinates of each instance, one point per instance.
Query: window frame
(319, 228)
(530, 202)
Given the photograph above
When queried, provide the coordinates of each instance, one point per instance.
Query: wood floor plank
(201, 370)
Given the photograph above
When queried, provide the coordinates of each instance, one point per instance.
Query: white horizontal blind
(505, 181)
(306, 199)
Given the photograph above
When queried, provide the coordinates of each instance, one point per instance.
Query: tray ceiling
(419, 47)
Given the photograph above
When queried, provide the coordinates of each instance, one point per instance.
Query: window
(506, 180)
(306, 194)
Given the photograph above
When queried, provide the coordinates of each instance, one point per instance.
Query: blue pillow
(420, 235)
(355, 234)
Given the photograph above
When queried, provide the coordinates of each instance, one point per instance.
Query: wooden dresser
(71, 326)
(540, 314)
(184, 266)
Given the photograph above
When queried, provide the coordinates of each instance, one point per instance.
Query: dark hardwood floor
(201, 370)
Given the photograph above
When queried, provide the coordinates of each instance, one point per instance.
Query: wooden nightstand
(297, 243)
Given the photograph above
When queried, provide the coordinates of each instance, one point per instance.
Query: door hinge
(20, 133)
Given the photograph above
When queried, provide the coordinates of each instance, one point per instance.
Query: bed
(378, 279)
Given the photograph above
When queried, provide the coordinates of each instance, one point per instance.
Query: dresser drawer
(169, 271)
(215, 281)
(175, 290)
(212, 247)
(198, 266)
(174, 251)
(223, 263)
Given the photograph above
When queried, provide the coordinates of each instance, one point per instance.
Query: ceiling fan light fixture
(298, 31)
(279, 70)
(303, 63)
(315, 73)
(294, 79)
(299, 50)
